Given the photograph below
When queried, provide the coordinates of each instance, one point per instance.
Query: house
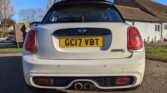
(10, 28)
(149, 17)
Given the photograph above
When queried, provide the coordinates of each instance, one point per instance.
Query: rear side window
(83, 14)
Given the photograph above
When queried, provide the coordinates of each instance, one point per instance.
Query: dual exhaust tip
(83, 86)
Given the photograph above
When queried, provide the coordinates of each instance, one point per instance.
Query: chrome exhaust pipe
(78, 86)
(88, 86)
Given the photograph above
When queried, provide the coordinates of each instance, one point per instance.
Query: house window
(157, 27)
(165, 27)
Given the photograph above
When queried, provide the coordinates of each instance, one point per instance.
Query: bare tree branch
(6, 12)
(50, 3)
(31, 15)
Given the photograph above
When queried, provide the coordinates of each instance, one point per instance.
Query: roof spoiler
(111, 1)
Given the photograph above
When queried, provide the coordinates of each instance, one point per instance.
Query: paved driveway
(12, 81)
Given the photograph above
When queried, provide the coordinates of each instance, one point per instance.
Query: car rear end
(83, 45)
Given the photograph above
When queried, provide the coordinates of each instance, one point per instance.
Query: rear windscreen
(83, 14)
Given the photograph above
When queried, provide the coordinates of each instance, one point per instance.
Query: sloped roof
(130, 3)
(155, 9)
(159, 10)
(131, 13)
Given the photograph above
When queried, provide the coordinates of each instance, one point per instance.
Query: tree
(22, 15)
(9, 22)
(31, 15)
(40, 13)
(27, 15)
(6, 12)
(50, 3)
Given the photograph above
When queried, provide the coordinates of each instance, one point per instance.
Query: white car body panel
(49, 45)
(133, 66)
(114, 59)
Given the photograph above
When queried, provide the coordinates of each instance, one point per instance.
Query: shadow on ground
(12, 80)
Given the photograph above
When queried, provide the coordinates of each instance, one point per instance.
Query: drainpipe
(162, 39)
(133, 23)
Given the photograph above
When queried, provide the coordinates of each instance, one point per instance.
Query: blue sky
(164, 2)
(26, 4)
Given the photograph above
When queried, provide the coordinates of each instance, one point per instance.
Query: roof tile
(131, 13)
(147, 10)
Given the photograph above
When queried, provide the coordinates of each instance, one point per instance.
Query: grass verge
(157, 53)
(10, 50)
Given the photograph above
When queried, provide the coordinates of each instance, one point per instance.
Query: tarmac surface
(12, 80)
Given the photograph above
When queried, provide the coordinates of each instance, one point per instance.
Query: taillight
(31, 41)
(134, 39)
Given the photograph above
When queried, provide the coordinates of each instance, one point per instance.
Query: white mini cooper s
(83, 45)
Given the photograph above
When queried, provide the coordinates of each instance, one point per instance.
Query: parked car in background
(83, 44)
(8, 39)
(11, 38)
(3, 38)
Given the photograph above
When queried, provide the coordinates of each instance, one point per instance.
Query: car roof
(76, 2)
(64, 3)
(83, 0)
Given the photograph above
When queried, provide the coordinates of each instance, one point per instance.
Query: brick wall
(18, 32)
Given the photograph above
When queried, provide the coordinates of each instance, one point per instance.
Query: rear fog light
(122, 81)
(43, 81)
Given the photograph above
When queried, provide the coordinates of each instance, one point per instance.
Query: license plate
(81, 42)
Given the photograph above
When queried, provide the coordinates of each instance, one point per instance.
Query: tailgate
(83, 41)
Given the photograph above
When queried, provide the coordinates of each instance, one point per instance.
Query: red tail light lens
(31, 41)
(44, 81)
(122, 80)
(134, 40)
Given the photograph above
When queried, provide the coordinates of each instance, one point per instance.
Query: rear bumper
(134, 66)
